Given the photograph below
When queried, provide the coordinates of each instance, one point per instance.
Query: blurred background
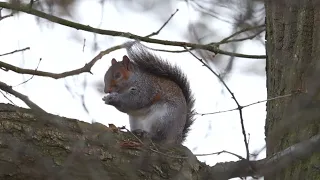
(56, 48)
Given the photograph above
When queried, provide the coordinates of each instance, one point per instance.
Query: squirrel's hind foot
(141, 134)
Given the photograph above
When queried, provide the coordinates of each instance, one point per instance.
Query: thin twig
(31, 76)
(84, 44)
(154, 150)
(24, 98)
(257, 152)
(257, 102)
(220, 152)
(55, 19)
(207, 11)
(132, 134)
(243, 39)
(15, 51)
(7, 98)
(6, 16)
(233, 97)
(157, 32)
(239, 32)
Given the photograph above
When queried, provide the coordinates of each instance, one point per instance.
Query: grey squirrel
(155, 94)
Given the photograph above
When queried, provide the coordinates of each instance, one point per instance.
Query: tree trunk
(293, 67)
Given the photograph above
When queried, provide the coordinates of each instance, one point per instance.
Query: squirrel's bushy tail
(153, 64)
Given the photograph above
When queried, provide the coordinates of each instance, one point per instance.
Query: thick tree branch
(268, 166)
(26, 9)
(48, 146)
(286, 157)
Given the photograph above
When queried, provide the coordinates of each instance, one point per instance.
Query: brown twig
(24, 98)
(15, 51)
(233, 97)
(86, 68)
(25, 8)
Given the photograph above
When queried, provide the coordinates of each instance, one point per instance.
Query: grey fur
(150, 63)
(169, 118)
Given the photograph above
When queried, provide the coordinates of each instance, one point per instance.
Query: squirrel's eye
(117, 75)
(133, 88)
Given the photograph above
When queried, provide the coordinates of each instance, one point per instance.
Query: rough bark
(293, 65)
(36, 145)
(44, 146)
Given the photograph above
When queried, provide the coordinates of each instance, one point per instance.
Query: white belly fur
(145, 118)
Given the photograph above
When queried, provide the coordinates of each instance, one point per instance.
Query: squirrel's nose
(107, 90)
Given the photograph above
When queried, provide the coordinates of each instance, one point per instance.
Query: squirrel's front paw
(111, 98)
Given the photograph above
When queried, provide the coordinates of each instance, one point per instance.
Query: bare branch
(223, 41)
(204, 10)
(212, 48)
(86, 68)
(6, 16)
(31, 76)
(243, 39)
(239, 32)
(217, 112)
(286, 157)
(25, 99)
(233, 97)
(220, 152)
(7, 98)
(256, 153)
(267, 166)
(15, 51)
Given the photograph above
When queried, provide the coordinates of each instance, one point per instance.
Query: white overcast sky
(61, 49)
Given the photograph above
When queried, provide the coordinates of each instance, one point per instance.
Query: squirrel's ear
(113, 61)
(126, 61)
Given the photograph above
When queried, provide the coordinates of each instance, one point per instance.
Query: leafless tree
(35, 144)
